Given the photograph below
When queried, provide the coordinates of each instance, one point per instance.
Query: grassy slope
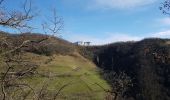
(73, 69)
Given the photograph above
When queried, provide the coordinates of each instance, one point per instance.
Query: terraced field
(79, 74)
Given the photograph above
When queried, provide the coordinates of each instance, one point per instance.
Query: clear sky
(105, 21)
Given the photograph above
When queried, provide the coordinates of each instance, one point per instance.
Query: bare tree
(165, 7)
(17, 19)
(16, 67)
(53, 24)
(11, 54)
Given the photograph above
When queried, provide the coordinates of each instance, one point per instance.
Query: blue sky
(105, 21)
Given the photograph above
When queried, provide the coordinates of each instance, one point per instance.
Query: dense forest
(147, 62)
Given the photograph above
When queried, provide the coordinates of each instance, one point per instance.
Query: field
(79, 74)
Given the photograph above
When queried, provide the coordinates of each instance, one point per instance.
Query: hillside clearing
(78, 72)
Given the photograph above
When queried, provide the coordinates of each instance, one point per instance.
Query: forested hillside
(135, 70)
(147, 62)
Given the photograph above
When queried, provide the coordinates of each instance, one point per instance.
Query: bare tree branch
(54, 24)
(1, 1)
(17, 67)
(3, 79)
(165, 7)
(16, 19)
(58, 92)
